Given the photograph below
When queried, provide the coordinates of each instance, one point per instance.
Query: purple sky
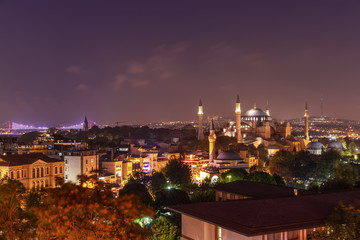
(152, 60)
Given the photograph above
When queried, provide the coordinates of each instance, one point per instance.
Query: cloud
(136, 68)
(160, 66)
(82, 87)
(75, 69)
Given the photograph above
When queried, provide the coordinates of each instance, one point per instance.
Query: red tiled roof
(24, 159)
(253, 217)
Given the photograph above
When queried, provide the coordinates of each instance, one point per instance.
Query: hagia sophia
(255, 127)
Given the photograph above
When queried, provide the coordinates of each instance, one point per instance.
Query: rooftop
(253, 217)
(258, 190)
(24, 159)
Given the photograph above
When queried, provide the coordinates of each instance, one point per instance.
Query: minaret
(212, 139)
(200, 115)
(238, 120)
(85, 125)
(306, 120)
(267, 108)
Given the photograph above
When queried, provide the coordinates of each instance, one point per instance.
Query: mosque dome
(228, 155)
(336, 145)
(256, 115)
(315, 146)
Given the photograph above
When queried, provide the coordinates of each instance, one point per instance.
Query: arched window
(37, 185)
(42, 172)
(33, 186)
(12, 175)
(60, 169)
(55, 170)
(38, 172)
(17, 174)
(42, 184)
(47, 170)
(34, 173)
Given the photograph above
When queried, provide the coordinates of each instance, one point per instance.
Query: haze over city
(152, 61)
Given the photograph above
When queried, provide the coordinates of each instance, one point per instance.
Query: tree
(343, 223)
(140, 190)
(178, 173)
(279, 180)
(348, 173)
(263, 155)
(163, 229)
(234, 174)
(168, 197)
(282, 164)
(326, 164)
(29, 137)
(74, 212)
(262, 177)
(304, 165)
(15, 222)
(157, 182)
(352, 148)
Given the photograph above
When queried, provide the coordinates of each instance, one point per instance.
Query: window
(18, 174)
(34, 174)
(47, 170)
(92, 160)
(42, 172)
(12, 175)
(60, 169)
(66, 177)
(33, 184)
(55, 170)
(86, 161)
(37, 172)
(66, 161)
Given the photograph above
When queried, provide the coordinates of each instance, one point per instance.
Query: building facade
(33, 170)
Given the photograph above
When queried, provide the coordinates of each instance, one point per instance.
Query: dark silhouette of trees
(177, 173)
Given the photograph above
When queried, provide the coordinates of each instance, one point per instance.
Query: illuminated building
(200, 121)
(315, 148)
(212, 139)
(238, 120)
(195, 163)
(306, 120)
(32, 170)
(80, 163)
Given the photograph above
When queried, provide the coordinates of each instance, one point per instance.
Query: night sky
(145, 61)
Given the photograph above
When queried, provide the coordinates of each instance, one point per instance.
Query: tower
(85, 125)
(200, 123)
(322, 108)
(306, 120)
(238, 120)
(267, 108)
(212, 139)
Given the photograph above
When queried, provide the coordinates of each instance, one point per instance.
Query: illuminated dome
(256, 115)
(315, 146)
(336, 145)
(228, 155)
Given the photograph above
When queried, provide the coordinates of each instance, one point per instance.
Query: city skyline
(146, 62)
